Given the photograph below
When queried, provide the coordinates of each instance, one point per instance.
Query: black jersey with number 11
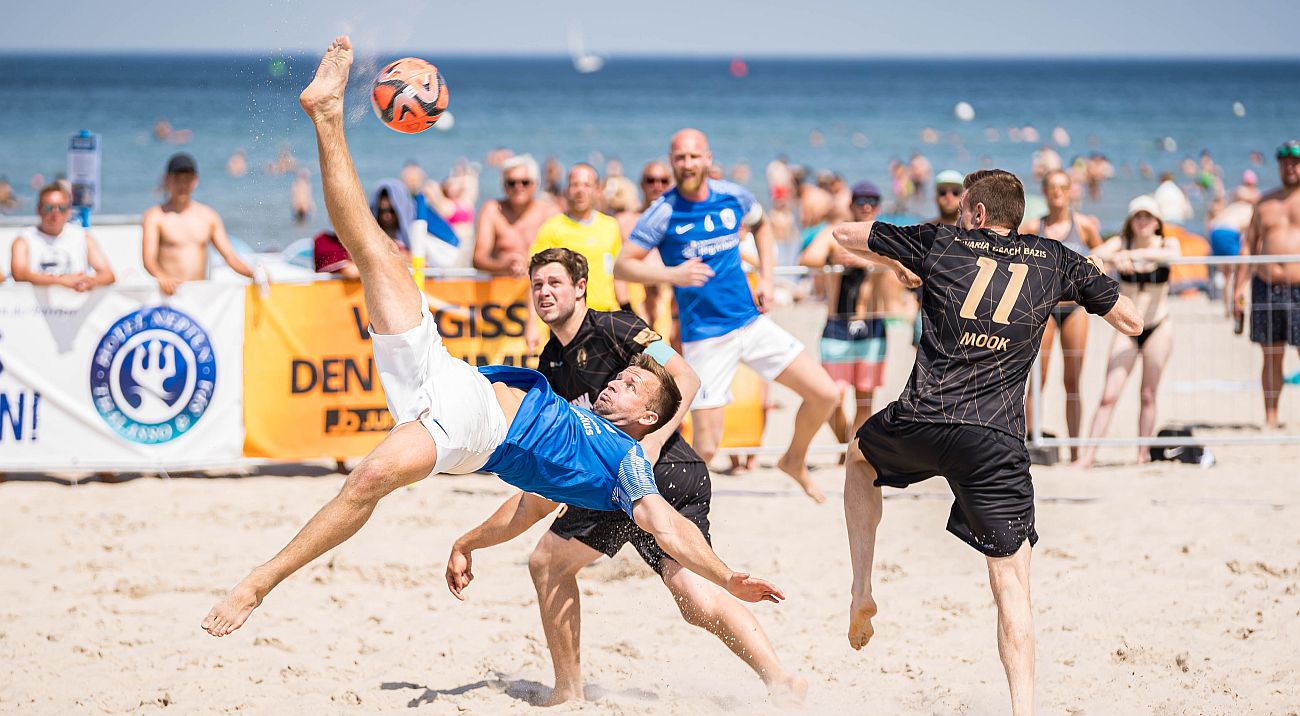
(986, 299)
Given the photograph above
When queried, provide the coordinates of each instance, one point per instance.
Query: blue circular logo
(153, 374)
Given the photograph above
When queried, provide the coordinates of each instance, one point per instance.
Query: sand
(1162, 589)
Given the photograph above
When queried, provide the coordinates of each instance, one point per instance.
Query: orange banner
(311, 389)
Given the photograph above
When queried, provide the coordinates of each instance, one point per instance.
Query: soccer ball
(409, 95)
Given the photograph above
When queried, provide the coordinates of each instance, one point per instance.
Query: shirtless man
(177, 231)
(507, 227)
(1274, 288)
(455, 419)
(815, 203)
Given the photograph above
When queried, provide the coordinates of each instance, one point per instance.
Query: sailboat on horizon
(584, 62)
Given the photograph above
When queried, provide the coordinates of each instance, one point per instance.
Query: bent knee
(702, 612)
(368, 482)
(546, 562)
(826, 391)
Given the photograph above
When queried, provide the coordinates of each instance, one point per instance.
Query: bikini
(1073, 241)
(1142, 279)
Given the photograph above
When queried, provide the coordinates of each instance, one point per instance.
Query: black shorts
(987, 469)
(685, 485)
(1274, 312)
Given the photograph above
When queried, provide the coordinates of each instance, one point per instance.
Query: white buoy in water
(1168, 144)
(964, 111)
(1239, 109)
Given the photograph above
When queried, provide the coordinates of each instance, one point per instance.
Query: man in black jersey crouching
(587, 350)
(987, 292)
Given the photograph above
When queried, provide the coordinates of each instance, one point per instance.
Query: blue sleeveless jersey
(710, 230)
(566, 453)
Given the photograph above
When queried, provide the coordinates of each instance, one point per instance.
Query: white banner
(119, 378)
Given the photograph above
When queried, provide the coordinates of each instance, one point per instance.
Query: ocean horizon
(851, 115)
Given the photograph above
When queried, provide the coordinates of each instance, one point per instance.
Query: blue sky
(910, 28)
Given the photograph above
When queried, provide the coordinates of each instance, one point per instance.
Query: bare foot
(324, 96)
(1082, 463)
(231, 612)
(799, 471)
(789, 691)
(860, 629)
(559, 696)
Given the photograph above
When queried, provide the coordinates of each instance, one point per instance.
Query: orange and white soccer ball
(409, 95)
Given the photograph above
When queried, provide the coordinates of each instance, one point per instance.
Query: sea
(851, 116)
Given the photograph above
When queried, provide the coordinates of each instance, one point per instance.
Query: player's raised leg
(554, 566)
(392, 300)
(710, 607)
(407, 455)
(1009, 579)
(863, 505)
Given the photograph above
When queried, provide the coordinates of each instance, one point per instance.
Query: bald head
(692, 138)
(690, 158)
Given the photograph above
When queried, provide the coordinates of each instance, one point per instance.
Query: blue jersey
(711, 231)
(566, 453)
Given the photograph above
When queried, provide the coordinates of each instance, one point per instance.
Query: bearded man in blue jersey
(698, 227)
(454, 419)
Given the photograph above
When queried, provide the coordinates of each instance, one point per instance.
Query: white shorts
(454, 402)
(762, 345)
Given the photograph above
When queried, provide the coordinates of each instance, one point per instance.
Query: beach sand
(1162, 589)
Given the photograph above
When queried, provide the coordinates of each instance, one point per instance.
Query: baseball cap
(949, 176)
(1145, 203)
(181, 163)
(1290, 148)
(866, 190)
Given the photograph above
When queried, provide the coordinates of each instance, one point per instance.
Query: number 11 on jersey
(1002, 313)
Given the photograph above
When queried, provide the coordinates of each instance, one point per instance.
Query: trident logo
(153, 375)
(154, 398)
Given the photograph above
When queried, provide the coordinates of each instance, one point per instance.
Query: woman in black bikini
(1137, 254)
(1080, 233)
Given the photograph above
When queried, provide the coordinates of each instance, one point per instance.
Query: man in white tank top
(55, 253)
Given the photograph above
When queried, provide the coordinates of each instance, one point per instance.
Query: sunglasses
(866, 201)
(518, 182)
(1289, 149)
(664, 181)
(49, 208)
(948, 192)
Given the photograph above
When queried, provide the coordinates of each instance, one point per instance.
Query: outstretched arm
(684, 542)
(1124, 317)
(853, 236)
(511, 519)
